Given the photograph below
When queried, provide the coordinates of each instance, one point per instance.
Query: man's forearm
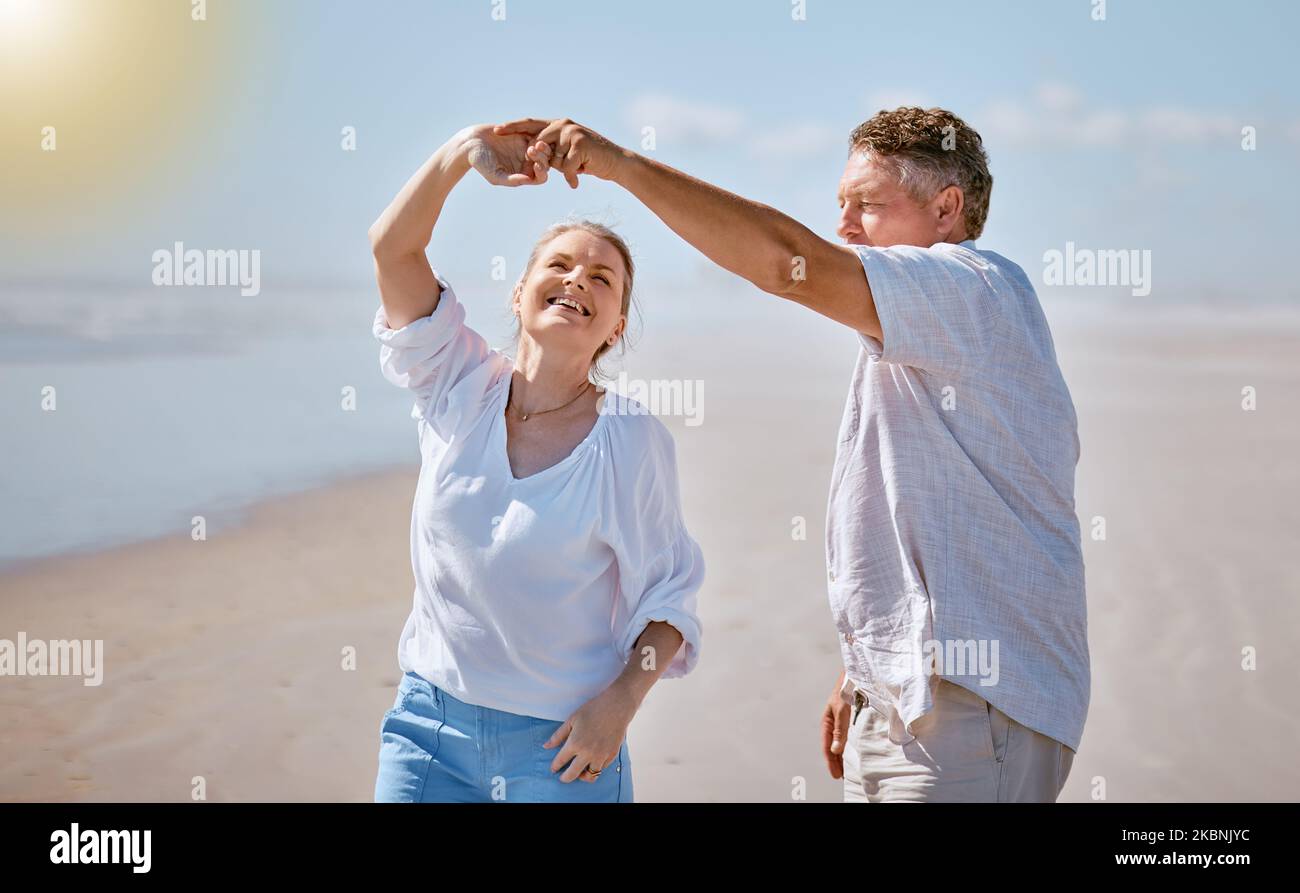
(750, 239)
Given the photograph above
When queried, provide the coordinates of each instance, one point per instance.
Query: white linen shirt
(951, 523)
(531, 593)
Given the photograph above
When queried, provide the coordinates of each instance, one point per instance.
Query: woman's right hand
(501, 158)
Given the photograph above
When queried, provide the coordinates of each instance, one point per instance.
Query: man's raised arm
(772, 250)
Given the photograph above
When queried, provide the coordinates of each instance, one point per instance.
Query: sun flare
(98, 95)
(21, 21)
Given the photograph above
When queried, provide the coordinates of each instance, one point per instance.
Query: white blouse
(531, 593)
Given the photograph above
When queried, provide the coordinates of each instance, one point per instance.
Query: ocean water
(173, 403)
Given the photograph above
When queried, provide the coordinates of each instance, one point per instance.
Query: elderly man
(954, 567)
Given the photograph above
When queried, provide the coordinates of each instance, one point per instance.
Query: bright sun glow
(29, 31)
(21, 14)
(95, 95)
(19, 19)
(24, 23)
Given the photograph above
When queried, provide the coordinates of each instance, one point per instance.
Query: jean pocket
(1065, 760)
(539, 732)
(999, 732)
(416, 717)
(623, 768)
(405, 690)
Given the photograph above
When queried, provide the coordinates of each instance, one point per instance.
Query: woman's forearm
(407, 285)
(406, 225)
(645, 667)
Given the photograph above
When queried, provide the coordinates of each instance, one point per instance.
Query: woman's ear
(618, 331)
(514, 302)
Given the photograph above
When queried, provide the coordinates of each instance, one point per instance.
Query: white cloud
(1187, 126)
(1054, 114)
(1006, 122)
(798, 141)
(1058, 97)
(884, 98)
(684, 123)
(1059, 115)
(1154, 172)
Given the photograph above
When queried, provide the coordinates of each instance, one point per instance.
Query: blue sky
(1122, 133)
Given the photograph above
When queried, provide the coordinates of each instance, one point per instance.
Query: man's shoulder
(989, 261)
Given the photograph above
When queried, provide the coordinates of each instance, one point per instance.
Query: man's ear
(949, 205)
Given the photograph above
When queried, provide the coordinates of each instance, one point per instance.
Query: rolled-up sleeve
(938, 307)
(661, 567)
(432, 354)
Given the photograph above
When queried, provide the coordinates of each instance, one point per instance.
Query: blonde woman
(555, 580)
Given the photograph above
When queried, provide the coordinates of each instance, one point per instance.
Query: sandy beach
(224, 657)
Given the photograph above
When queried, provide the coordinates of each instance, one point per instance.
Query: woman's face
(572, 299)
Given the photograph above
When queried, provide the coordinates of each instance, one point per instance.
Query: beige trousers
(965, 751)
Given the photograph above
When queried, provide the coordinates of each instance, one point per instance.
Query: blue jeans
(436, 749)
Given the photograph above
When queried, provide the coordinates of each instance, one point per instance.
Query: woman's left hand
(502, 159)
(567, 147)
(593, 735)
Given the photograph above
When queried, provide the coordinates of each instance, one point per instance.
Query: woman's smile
(568, 303)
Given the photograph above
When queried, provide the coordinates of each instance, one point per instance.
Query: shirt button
(832, 576)
(848, 637)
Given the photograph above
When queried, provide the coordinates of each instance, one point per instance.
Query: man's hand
(565, 146)
(835, 730)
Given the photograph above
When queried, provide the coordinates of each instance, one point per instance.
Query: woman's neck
(546, 379)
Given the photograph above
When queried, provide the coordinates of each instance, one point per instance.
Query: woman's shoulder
(640, 470)
(634, 431)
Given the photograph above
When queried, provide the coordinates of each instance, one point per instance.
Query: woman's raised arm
(398, 238)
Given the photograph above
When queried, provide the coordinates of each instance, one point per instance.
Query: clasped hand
(523, 152)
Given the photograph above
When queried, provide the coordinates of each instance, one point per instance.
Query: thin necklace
(511, 399)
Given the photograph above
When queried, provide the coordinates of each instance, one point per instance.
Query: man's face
(875, 210)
